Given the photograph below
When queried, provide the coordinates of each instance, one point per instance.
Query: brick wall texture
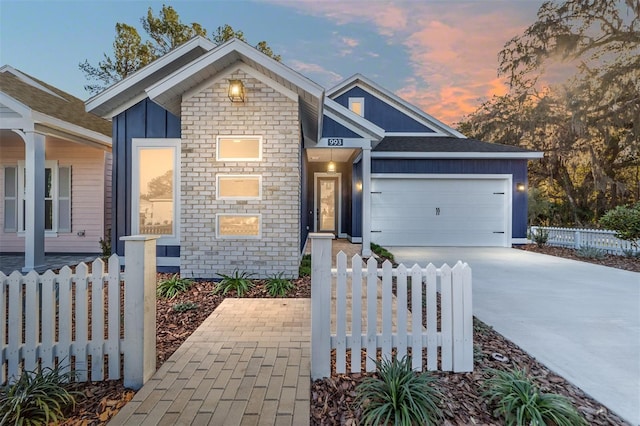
(267, 113)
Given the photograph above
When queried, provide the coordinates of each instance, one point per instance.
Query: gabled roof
(168, 91)
(447, 147)
(394, 100)
(131, 90)
(52, 107)
(352, 121)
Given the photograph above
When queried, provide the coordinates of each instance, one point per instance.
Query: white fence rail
(368, 319)
(578, 238)
(83, 320)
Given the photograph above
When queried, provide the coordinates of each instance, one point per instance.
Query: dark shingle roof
(64, 106)
(441, 144)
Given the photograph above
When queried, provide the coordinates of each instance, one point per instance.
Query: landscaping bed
(332, 398)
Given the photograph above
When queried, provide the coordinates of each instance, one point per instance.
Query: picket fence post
(320, 305)
(139, 309)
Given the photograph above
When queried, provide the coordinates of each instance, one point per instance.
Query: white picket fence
(82, 320)
(577, 238)
(381, 323)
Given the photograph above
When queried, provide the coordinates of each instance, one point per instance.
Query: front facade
(55, 171)
(233, 159)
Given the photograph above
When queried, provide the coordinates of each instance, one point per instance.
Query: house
(256, 156)
(55, 171)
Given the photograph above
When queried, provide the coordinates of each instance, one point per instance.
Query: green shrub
(398, 395)
(382, 252)
(239, 282)
(37, 398)
(625, 221)
(590, 252)
(185, 306)
(173, 286)
(305, 266)
(105, 246)
(540, 236)
(520, 402)
(278, 285)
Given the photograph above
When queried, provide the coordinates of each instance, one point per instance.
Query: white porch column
(366, 201)
(34, 201)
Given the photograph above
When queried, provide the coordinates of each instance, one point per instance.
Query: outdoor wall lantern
(236, 91)
(359, 186)
(520, 187)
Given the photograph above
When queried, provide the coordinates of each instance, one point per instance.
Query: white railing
(82, 320)
(577, 238)
(355, 310)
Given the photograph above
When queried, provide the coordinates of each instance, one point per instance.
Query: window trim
(236, 176)
(239, 237)
(252, 159)
(359, 100)
(158, 143)
(48, 164)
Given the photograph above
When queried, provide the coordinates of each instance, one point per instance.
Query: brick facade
(267, 113)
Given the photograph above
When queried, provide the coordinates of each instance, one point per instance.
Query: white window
(57, 197)
(239, 148)
(238, 225)
(155, 198)
(238, 187)
(357, 105)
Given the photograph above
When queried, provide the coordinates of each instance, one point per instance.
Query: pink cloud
(310, 69)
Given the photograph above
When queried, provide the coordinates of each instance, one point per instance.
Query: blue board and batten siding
(333, 129)
(143, 120)
(516, 168)
(382, 114)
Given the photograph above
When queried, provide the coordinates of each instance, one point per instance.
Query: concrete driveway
(579, 319)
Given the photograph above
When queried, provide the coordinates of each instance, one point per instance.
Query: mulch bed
(621, 262)
(332, 398)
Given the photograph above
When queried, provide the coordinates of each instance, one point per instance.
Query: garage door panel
(439, 212)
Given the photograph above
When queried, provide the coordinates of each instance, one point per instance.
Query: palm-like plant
(278, 285)
(36, 398)
(173, 286)
(398, 395)
(522, 403)
(239, 282)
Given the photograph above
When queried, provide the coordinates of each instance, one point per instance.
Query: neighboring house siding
(331, 128)
(87, 196)
(516, 168)
(143, 120)
(381, 113)
(108, 202)
(274, 117)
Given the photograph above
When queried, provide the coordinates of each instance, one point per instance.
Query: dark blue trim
(382, 114)
(356, 202)
(168, 269)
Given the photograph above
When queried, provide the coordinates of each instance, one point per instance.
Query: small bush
(398, 395)
(591, 252)
(540, 236)
(173, 286)
(520, 402)
(36, 398)
(239, 282)
(105, 246)
(278, 285)
(185, 306)
(305, 266)
(382, 252)
(631, 253)
(625, 221)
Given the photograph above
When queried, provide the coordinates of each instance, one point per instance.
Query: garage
(419, 210)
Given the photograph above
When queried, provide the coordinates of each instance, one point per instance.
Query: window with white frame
(357, 105)
(57, 197)
(239, 148)
(246, 225)
(155, 198)
(238, 187)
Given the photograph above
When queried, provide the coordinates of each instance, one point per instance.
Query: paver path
(247, 364)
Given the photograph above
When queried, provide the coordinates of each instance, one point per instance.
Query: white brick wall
(267, 113)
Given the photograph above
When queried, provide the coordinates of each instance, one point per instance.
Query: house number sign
(335, 141)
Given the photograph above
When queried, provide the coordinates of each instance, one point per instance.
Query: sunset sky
(440, 55)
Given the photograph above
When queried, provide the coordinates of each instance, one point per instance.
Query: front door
(327, 189)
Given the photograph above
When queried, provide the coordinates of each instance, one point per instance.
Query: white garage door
(439, 212)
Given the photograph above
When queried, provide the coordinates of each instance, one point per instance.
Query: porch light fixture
(236, 91)
(331, 167)
(520, 187)
(359, 186)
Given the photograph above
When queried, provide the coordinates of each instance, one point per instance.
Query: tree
(160, 187)
(163, 33)
(589, 126)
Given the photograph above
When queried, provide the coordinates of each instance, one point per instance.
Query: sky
(441, 56)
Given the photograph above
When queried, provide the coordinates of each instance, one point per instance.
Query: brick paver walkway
(247, 364)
